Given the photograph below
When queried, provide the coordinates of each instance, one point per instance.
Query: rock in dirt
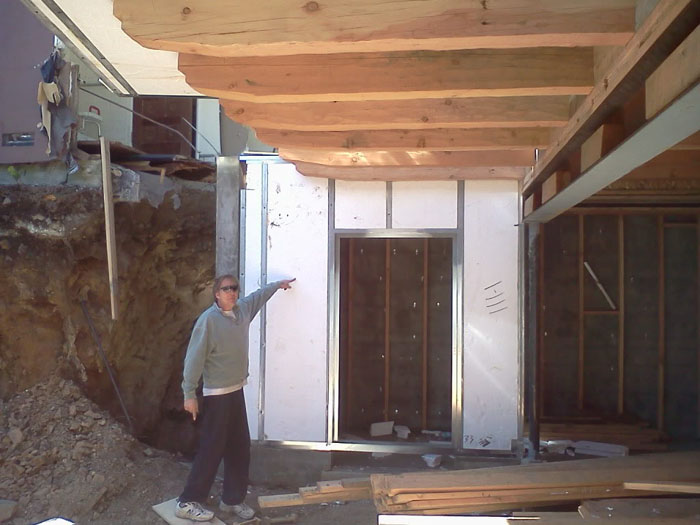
(7, 509)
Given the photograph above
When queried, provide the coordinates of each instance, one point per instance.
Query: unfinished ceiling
(387, 90)
(538, 90)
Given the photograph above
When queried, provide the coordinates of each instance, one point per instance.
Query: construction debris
(322, 492)
(635, 436)
(534, 485)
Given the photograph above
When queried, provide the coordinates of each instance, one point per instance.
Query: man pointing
(218, 350)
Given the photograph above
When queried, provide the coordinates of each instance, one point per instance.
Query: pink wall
(24, 43)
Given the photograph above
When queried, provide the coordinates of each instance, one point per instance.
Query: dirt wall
(52, 253)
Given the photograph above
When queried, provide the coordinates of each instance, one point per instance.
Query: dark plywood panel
(600, 241)
(641, 317)
(560, 317)
(681, 314)
(366, 359)
(600, 364)
(405, 329)
(439, 415)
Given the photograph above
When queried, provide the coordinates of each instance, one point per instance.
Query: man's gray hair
(220, 279)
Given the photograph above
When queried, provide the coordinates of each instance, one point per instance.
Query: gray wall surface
(25, 43)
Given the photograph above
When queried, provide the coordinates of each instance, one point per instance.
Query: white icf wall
(491, 364)
(288, 398)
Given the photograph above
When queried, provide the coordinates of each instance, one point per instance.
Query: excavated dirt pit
(66, 448)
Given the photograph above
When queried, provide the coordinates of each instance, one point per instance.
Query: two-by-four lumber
(393, 76)
(279, 27)
(464, 113)
(565, 481)
(666, 27)
(664, 486)
(323, 492)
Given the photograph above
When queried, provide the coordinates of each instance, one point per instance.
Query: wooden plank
(600, 143)
(680, 466)
(440, 113)
(408, 173)
(520, 158)
(621, 318)
(668, 24)
(280, 500)
(392, 76)
(664, 486)
(531, 203)
(662, 325)
(110, 234)
(677, 73)
(581, 307)
(554, 184)
(278, 27)
(444, 139)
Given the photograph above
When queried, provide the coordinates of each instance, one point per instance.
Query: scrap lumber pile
(635, 436)
(322, 492)
(533, 485)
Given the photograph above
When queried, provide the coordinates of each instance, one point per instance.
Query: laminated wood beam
(408, 173)
(463, 113)
(409, 140)
(410, 158)
(279, 27)
(666, 27)
(680, 71)
(393, 76)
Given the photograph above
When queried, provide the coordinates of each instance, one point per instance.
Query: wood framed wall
(395, 333)
(639, 356)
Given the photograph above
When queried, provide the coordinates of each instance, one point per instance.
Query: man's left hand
(287, 283)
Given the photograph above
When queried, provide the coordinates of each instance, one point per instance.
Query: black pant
(224, 435)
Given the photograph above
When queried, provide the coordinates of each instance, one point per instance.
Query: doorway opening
(395, 339)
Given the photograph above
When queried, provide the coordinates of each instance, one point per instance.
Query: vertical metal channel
(458, 324)
(389, 205)
(522, 232)
(263, 311)
(241, 239)
(333, 332)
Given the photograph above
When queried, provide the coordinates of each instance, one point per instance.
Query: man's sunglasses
(231, 288)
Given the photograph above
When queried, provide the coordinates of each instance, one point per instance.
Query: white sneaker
(191, 510)
(243, 511)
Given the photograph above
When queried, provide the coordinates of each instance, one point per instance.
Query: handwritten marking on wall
(495, 298)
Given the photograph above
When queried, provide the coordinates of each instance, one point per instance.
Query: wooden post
(109, 226)
(662, 324)
(539, 262)
(387, 325)
(580, 313)
(534, 265)
(425, 334)
(621, 316)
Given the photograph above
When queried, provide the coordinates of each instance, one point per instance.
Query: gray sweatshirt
(218, 346)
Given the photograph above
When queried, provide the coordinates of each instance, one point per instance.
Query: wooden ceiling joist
(411, 158)
(662, 31)
(408, 173)
(410, 140)
(393, 76)
(464, 113)
(280, 27)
